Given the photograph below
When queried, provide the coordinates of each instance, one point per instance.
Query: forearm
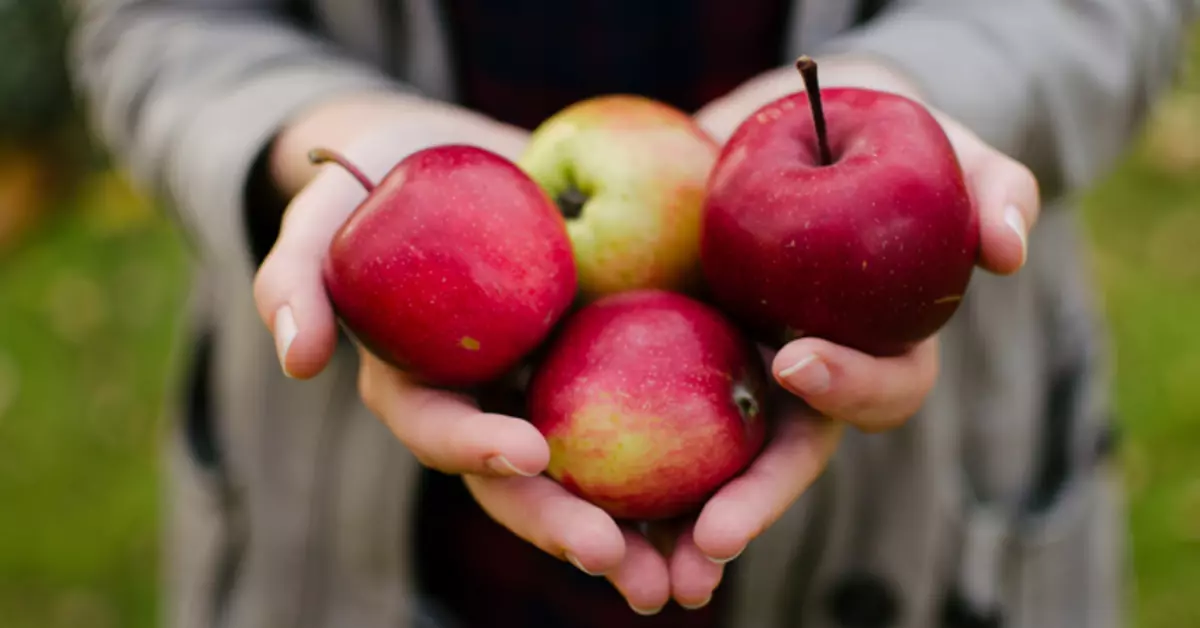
(721, 117)
(187, 96)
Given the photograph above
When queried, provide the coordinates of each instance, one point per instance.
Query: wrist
(721, 117)
(873, 72)
(405, 122)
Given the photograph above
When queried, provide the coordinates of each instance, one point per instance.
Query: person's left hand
(831, 385)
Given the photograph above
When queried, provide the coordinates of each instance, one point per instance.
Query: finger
(872, 393)
(289, 291)
(448, 433)
(694, 577)
(642, 577)
(1007, 196)
(1005, 193)
(749, 504)
(543, 513)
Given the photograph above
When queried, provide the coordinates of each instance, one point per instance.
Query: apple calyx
(321, 156)
(571, 201)
(808, 71)
(746, 402)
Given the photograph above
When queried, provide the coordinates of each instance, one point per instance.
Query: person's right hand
(500, 457)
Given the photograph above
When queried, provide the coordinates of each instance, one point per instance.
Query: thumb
(1006, 195)
(1009, 202)
(289, 290)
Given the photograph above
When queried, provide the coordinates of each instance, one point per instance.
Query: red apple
(650, 401)
(455, 267)
(860, 232)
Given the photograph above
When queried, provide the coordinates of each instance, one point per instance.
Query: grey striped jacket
(289, 503)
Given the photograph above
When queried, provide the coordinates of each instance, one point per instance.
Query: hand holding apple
(833, 385)
(501, 458)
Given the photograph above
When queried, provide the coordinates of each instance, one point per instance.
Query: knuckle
(426, 439)
(423, 458)
(457, 435)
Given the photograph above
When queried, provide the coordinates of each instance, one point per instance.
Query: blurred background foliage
(92, 279)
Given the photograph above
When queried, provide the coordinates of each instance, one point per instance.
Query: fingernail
(578, 565)
(646, 612)
(808, 375)
(722, 561)
(285, 333)
(696, 607)
(1016, 222)
(501, 465)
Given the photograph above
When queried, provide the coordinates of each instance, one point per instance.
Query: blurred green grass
(89, 310)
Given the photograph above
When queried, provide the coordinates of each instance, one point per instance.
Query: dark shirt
(520, 61)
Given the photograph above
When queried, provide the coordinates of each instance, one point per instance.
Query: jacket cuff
(217, 150)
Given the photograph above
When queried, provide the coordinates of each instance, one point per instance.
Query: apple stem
(808, 71)
(319, 156)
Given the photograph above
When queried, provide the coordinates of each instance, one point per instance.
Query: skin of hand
(500, 457)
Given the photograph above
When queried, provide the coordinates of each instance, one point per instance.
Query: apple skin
(650, 401)
(642, 166)
(873, 252)
(454, 269)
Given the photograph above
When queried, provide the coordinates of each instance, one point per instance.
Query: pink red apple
(629, 174)
(455, 267)
(650, 401)
(844, 217)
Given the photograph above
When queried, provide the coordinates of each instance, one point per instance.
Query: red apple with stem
(841, 214)
(650, 401)
(454, 269)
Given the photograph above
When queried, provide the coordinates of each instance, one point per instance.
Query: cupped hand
(500, 457)
(444, 431)
(830, 385)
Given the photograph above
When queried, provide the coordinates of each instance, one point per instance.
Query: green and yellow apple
(629, 175)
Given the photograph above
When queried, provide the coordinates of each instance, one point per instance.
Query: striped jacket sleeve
(187, 93)
(1061, 85)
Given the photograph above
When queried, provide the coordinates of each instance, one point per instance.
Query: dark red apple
(650, 401)
(844, 217)
(454, 269)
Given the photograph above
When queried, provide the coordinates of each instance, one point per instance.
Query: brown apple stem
(808, 71)
(319, 156)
